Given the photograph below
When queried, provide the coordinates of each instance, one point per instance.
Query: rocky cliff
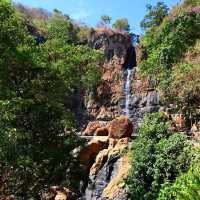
(109, 100)
(105, 105)
(109, 130)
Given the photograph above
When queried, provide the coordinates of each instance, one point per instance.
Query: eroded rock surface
(106, 176)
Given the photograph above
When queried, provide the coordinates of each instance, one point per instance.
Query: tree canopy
(36, 82)
(122, 24)
(154, 16)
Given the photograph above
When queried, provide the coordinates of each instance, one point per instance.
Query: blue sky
(89, 11)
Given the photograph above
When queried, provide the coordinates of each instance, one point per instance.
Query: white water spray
(128, 91)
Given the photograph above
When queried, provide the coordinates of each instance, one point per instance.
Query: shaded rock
(153, 99)
(103, 90)
(115, 187)
(120, 127)
(91, 128)
(88, 153)
(101, 131)
(119, 147)
(99, 162)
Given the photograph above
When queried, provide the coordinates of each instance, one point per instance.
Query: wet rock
(120, 127)
(99, 182)
(99, 162)
(116, 188)
(115, 147)
(105, 174)
(88, 153)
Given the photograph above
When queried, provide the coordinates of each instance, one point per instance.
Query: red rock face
(120, 127)
(101, 131)
(105, 105)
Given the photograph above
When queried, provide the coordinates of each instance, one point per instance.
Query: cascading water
(97, 183)
(128, 91)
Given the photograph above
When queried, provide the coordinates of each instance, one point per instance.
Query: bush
(155, 15)
(186, 186)
(36, 123)
(158, 155)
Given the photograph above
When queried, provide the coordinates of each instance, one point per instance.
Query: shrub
(158, 155)
(186, 186)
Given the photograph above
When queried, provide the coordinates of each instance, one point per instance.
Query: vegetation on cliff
(172, 49)
(46, 65)
(158, 156)
(186, 186)
(164, 164)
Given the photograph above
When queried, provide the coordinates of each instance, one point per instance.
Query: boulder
(101, 131)
(115, 147)
(120, 127)
(88, 153)
(99, 162)
(115, 188)
(91, 128)
(119, 147)
(61, 196)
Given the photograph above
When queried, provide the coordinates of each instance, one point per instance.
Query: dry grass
(111, 31)
(193, 54)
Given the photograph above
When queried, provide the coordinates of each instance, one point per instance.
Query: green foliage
(77, 64)
(185, 89)
(106, 19)
(11, 30)
(82, 34)
(158, 155)
(36, 81)
(186, 186)
(191, 2)
(154, 16)
(121, 24)
(166, 45)
(60, 27)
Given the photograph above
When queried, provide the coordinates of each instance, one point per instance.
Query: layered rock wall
(105, 105)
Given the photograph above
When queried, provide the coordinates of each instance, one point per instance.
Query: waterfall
(128, 91)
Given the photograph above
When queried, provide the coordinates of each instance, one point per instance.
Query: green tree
(186, 186)
(122, 24)
(35, 83)
(154, 16)
(106, 19)
(60, 26)
(158, 155)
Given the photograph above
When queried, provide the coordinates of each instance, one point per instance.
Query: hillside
(99, 113)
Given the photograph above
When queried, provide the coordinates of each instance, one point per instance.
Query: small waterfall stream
(128, 91)
(97, 183)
